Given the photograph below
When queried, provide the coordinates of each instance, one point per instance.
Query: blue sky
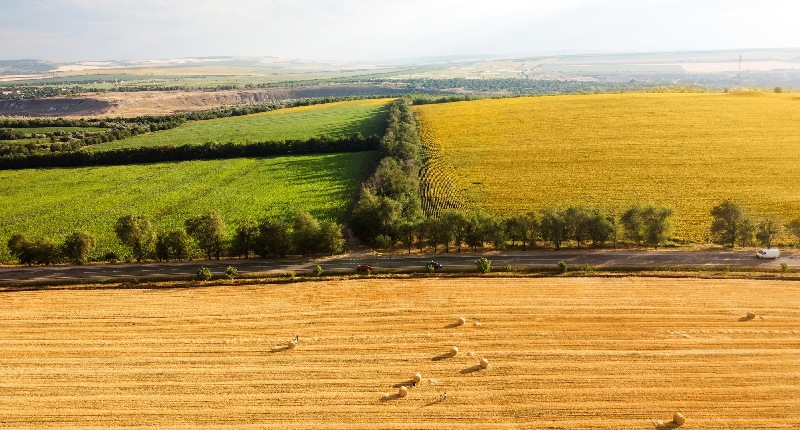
(380, 30)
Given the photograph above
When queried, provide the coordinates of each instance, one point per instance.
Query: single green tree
(745, 230)
(274, 238)
(601, 227)
(331, 239)
(576, 219)
(768, 230)
(305, 234)
(633, 226)
(553, 227)
(244, 238)
(657, 224)
(208, 231)
(173, 245)
(727, 220)
(794, 228)
(77, 246)
(136, 232)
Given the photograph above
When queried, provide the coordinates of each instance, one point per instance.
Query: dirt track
(564, 354)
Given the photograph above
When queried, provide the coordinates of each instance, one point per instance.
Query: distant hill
(24, 67)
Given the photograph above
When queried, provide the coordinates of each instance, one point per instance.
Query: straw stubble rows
(564, 353)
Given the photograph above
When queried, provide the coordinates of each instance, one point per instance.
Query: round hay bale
(679, 419)
(484, 363)
(461, 321)
(291, 344)
(454, 351)
(416, 378)
(403, 391)
(751, 315)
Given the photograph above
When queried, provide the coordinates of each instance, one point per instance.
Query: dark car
(433, 265)
(366, 268)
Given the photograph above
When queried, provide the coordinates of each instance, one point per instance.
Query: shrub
(203, 274)
(318, 270)
(484, 265)
(231, 272)
(562, 267)
(383, 241)
(784, 267)
(508, 268)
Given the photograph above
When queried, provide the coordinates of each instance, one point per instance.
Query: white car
(772, 253)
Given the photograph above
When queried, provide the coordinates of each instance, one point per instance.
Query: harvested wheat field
(561, 353)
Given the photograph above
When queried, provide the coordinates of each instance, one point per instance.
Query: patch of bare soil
(116, 104)
(55, 107)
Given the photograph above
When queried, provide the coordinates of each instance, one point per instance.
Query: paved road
(347, 263)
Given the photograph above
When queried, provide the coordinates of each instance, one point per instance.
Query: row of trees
(733, 225)
(390, 198)
(642, 224)
(206, 235)
(205, 151)
(303, 235)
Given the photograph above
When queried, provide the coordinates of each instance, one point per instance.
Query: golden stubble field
(685, 151)
(564, 353)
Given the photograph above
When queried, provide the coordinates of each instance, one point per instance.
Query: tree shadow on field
(279, 348)
(471, 369)
(441, 357)
(408, 383)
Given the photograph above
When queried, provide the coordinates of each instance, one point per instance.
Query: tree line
(391, 195)
(640, 224)
(205, 151)
(734, 226)
(122, 128)
(205, 235)
(645, 225)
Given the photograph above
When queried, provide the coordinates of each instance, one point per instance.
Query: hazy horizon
(380, 30)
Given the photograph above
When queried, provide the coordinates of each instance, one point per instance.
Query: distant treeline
(525, 86)
(205, 151)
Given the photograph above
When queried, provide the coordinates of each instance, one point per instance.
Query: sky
(384, 30)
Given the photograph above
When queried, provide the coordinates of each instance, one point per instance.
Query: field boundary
(206, 151)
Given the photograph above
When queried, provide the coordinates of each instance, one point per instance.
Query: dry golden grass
(563, 353)
(686, 151)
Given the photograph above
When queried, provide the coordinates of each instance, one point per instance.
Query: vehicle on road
(365, 268)
(433, 265)
(772, 253)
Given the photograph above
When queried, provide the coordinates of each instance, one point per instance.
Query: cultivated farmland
(686, 151)
(299, 123)
(563, 353)
(56, 202)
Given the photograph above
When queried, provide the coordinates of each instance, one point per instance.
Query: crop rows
(55, 202)
(299, 123)
(685, 151)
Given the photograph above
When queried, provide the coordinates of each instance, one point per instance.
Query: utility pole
(739, 75)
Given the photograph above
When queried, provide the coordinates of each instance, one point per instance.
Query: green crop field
(685, 151)
(332, 119)
(55, 202)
